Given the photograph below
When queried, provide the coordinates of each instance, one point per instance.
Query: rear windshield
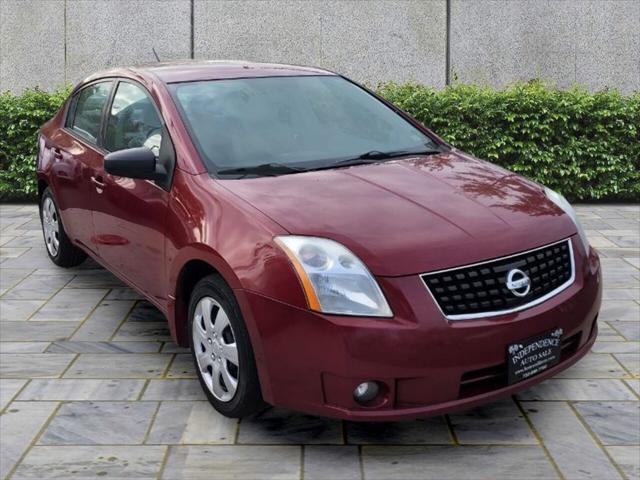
(305, 121)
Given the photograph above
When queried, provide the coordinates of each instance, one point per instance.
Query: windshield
(304, 122)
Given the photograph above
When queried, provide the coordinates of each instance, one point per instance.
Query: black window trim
(97, 144)
(165, 131)
(105, 116)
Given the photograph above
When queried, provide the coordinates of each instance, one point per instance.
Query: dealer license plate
(534, 355)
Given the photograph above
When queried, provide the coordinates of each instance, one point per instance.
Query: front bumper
(428, 365)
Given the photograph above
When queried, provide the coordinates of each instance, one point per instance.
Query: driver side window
(132, 121)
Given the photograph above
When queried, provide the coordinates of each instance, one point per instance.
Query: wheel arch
(199, 264)
(42, 186)
(191, 265)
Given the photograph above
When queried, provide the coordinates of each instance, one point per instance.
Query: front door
(130, 214)
(76, 159)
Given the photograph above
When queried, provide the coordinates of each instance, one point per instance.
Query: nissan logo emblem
(518, 282)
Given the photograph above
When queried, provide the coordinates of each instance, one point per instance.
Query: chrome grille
(480, 290)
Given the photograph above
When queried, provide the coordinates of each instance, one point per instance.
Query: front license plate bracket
(530, 357)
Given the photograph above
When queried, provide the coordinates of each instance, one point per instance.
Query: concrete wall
(594, 42)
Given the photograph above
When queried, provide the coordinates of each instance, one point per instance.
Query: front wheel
(222, 350)
(59, 248)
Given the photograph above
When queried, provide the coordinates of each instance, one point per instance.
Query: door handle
(98, 183)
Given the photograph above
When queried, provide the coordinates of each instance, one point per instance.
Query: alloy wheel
(215, 349)
(51, 226)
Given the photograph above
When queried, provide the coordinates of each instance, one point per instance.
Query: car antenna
(155, 53)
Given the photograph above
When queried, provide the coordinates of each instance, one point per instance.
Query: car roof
(195, 70)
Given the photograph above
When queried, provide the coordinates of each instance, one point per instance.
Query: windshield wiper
(374, 156)
(266, 169)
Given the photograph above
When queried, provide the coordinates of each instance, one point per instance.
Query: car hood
(415, 214)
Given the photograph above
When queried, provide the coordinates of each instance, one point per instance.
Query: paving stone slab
(104, 321)
(630, 361)
(182, 367)
(121, 365)
(279, 426)
(191, 423)
(423, 431)
(12, 252)
(99, 423)
(621, 294)
(628, 459)
(9, 387)
(238, 462)
(607, 333)
(124, 293)
(146, 312)
(95, 279)
(23, 347)
(33, 259)
(634, 385)
(82, 389)
(625, 241)
(22, 241)
(9, 277)
(33, 365)
(629, 330)
(323, 462)
(69, 305)
(84, 462)
(455, 462)
(68, 346)
(18, 310)
(570, 445)
(627, 310)
(132, 331)
(493, 424)
(578, 389)
(35, 331)
(616, 347)
(633, 261)
(594, 365)
(171, 347)
(37, 287)
(20, 425)
(178, 389)
(7, 240)
(615, 423)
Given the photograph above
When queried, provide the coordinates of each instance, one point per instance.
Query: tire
(59, 248)
(211, 340)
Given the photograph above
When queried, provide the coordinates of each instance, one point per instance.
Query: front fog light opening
(366, 392)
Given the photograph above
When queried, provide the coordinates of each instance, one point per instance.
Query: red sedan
(317, 248)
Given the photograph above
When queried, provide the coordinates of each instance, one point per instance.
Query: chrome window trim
(495, 313)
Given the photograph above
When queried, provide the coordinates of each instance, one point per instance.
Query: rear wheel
(59, 248)
(222, 350)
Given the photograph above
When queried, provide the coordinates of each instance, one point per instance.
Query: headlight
(334, 279)
(564, 205)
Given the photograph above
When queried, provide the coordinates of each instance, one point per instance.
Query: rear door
(130, 213)
(77, 158)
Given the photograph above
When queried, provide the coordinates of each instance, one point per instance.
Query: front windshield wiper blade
(374, 156)
(266, 169)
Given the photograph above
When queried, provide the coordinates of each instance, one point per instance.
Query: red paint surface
(401, 218)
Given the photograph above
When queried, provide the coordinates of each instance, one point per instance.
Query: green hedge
(21, 116)
(585, 145)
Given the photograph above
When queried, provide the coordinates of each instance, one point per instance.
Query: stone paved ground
(91, 385)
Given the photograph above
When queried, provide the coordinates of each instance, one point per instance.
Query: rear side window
(133, 120)
(85, 114)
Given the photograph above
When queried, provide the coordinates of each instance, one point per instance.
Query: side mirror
(134, 163)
